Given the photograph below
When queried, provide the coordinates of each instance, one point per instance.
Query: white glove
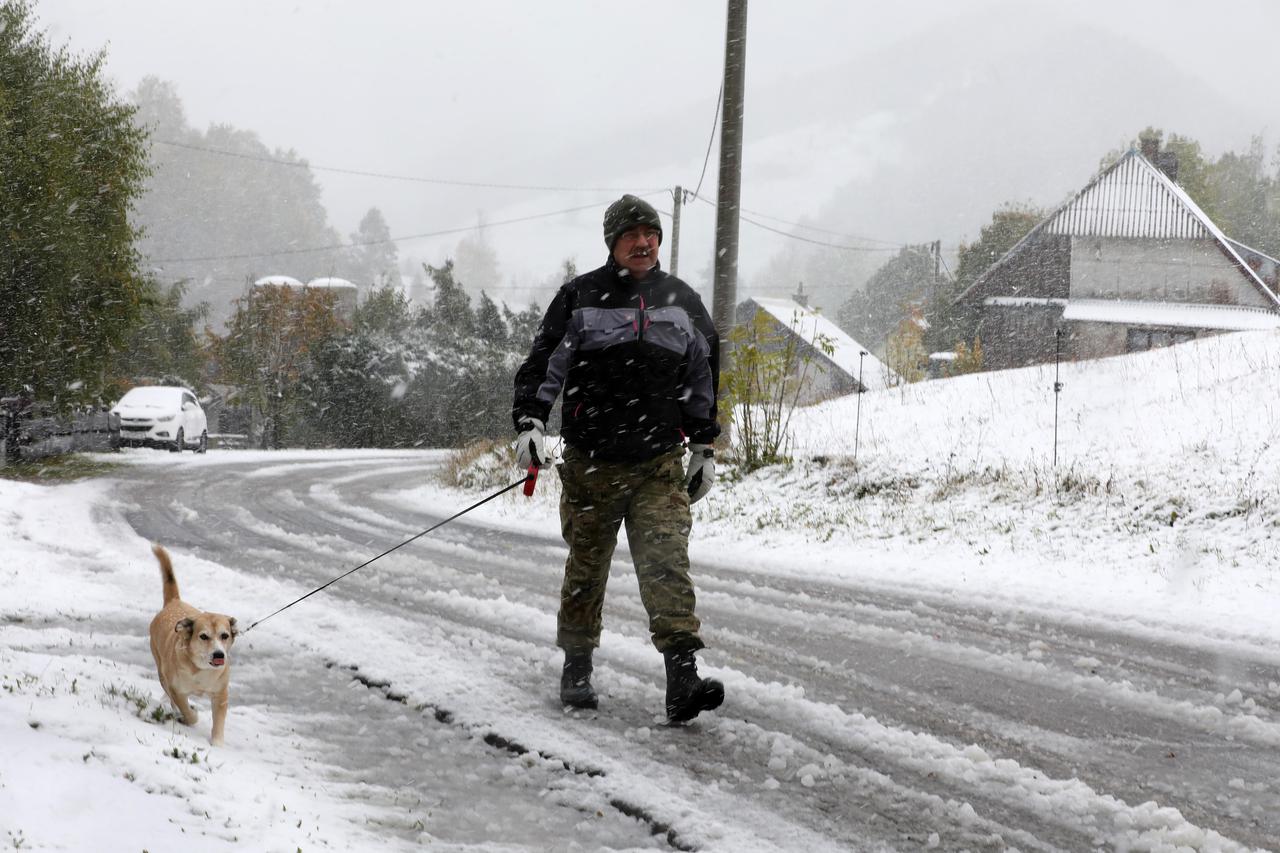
(701, 473)
(531, 446)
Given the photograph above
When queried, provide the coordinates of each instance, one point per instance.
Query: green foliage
(71, 164)
(968, 359)
(950, 324)
(766, 373)
(440, 379)
(905, 353)
(165, 348)
(274, 335)
(870, 315)
(372, 261)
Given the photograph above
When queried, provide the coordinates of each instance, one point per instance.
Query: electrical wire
(337, 246)
(715, 122)
(299, 164)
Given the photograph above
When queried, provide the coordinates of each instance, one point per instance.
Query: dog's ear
(235, 632)
(185, 626)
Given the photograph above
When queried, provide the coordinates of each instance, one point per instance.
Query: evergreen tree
(221, 208)
(373, 261)
(490, 327)
(167, 348)
(71, 164)
(450, 311)
(268, 349)
(870, 315)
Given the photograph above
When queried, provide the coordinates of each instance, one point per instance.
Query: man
(635, 355)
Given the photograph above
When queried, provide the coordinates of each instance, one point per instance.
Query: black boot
(575, 682)
(687, 694)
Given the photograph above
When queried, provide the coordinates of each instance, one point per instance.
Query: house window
(1140, 340)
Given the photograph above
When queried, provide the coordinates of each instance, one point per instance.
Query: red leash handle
(531, 481)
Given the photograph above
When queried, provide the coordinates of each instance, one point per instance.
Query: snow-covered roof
(278, 281)
(1233, 318)
(1132, 198)
(809, 324)
(334, 283)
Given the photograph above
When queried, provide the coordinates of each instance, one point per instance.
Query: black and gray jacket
(637, 361)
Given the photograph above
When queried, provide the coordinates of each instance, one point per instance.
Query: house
(1129, 263)
(848, 368)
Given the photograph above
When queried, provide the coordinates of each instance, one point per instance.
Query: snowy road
(858, 716)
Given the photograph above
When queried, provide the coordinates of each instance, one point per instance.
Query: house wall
(1158, 270)
(823, 380)
(1018, 336)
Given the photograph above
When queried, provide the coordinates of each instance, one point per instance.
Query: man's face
(637, 249)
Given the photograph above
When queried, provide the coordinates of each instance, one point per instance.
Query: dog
(190, 648)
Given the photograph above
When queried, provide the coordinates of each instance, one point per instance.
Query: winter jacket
(637, 362)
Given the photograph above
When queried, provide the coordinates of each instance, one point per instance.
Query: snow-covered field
(1159, 515)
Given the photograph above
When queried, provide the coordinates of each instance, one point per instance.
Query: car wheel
(178, 441)
(204, 443)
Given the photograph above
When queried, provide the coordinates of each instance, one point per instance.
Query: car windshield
(152, 397)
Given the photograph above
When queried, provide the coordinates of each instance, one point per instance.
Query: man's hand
(531, 446)
(701, 473)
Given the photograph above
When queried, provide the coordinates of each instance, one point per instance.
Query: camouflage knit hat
(628, 212)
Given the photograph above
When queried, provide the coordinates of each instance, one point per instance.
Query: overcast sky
(571, 93)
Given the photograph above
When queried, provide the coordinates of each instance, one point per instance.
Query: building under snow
(1129, 263)
(848, 368)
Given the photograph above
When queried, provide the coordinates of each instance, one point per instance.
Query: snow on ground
(1159, 513)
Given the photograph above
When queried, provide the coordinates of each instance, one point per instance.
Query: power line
(715, 121)
(888, 248)
(387, 176)
(336, 246)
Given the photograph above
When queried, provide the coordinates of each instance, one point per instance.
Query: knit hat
(628, 212)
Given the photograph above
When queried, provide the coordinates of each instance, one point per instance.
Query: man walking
(635, 355)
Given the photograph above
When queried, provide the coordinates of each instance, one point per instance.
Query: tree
(905, 353)
(476, 262)
(373, 261)
(166, 348)
(221, 208)
(490, 327)
(762, 386)
(71, 164)
(268, 349)
(450, 311)
(949, 325)
(870, 315)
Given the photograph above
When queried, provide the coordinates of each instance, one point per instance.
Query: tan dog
(190, 648)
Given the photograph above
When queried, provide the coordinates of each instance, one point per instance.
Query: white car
(162, 416)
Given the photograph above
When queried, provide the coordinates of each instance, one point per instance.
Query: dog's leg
(219, 703)
(185, 711)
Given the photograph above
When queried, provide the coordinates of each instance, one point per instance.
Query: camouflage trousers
(650, 497)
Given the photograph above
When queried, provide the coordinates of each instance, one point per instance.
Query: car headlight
(164, 419)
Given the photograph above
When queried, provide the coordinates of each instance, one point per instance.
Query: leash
(528, 481)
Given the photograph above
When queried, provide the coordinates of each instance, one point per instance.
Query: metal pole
(1057, 389)
(857, 422)
(730, 191)
(677, 199)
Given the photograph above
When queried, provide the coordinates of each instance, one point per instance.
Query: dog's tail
(166, 573)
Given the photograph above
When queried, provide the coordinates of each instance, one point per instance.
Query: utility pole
(857, 425)
(677, 199)
(729, 198)
(1057, 389)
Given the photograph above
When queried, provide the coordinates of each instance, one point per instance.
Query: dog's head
(209, 637)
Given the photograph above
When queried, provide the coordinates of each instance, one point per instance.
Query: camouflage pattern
(650, 497)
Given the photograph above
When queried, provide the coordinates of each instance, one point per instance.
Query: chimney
(1167, 161)
(1150, 147)
(799, 298)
